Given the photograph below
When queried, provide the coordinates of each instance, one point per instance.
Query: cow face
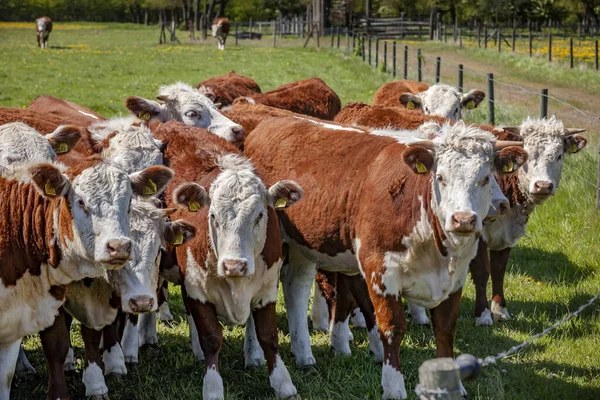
(217, 29)
(499, 204)
(237, 214)
(136, 283)
(547, 141)
(461, 161)
(20, 143)
(443, 101)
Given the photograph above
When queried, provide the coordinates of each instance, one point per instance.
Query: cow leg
(253, 353)
(93, 379)
(297, 278)
(211, 339)
(130, 339)
(418, 315)
(360, 292)
(498, 262)
(357, 319)
(112, 356)
(24, 367)
(9, 353)
(163, 304)
(344, 303)
(55, 343)
(148, 335)
(480, 272)
(266, 331)
(320, 311)
(70, 367)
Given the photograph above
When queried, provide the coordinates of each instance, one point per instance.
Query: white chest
(90, 305)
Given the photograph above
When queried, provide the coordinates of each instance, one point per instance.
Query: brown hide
(309, 97)
(389, 94)
(250, 115)
(44, 124)
(225, 27)
(228, 87)
(383, 117)
(65, 110)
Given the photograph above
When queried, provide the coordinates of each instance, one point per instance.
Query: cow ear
(178, 232)
(49, 180)
(472, 99)
(190, 196)
(64, 138)
(152, 181)
(574, 143)
(510, 159)
(283, 194)
(144, 109)
(418, 158)
(411, 101)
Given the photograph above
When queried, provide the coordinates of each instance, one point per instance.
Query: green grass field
(555, 268)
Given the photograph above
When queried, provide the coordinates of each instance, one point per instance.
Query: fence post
(362, 45)
(460, 77)
(236, 33)
(440, 373)
(332, 35)
(419, 69)
(394, 59)
(478, 36)
(499, 38)
(544, 103)
(438, 64)
(514, 37)
(274, 32)
(530, 42)
(571, 51)
(598, 184)
(369, 50)
(445, 34)
(550, 47)
(376, 52)
(318, 36)
(338, 37)
(347, 41)
(405, 62)
(596, 56)
(460, 38)
(485, 38)
(384, 56)
(491, 117)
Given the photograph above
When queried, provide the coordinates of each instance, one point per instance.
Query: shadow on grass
(547, 266)
(61, 47)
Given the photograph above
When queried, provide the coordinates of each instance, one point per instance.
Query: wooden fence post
(514, 37)
(460, 38)
(376, 52)
(347, 41)
(485, 38)
(460, 77)
(332, 36)
(318, 35)
(362, 43)
(337, 29)
(384, 56)
(596, 56)
(236, 33)
(571, 51)
(550, 47)
(491, 117)
(438, 65)
(394, 59)
(478, 36)
(405, 62)
(544, 103)
(499, 38)
(530, 43)
(419, 69)
(369, 50)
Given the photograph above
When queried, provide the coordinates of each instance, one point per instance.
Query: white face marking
(330, 126)
(442, 100)
(20, 143)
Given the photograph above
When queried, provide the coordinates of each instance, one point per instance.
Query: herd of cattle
(225, 190)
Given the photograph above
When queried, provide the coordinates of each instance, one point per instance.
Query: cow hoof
(484, 319)
(500, 313)
(255, 363)
(309, 369)
(131, 360)
(113, 377)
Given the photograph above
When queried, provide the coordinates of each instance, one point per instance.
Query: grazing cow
(441, 100)
(224, 89)
(309, 97)
(183, 103)
(220, 30)
(548, 142)
(68, 112)
(230, 269)
(43, 27)
(401, 215)
(82, 232)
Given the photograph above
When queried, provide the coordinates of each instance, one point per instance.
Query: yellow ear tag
(280, 203)
(49, 189)
(194, 206)
(471, 104)
(150, 188)
(420, 167)
(574, 148)
(144, 116)
(178, 239)
(61, 148)
(509, 167)
(410, 105)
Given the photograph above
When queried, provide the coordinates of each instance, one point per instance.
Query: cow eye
(485, 181)
(191, 114)
(440, 178)
(260, 215)
(214, 220)
(81, 204)
(560, 157)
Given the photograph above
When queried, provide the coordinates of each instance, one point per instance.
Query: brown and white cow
(68, 112)
(43, 27)
(220, 30)
(401, 215)
(441, 100)
(309, 97)
(224, 89)
(230, 270)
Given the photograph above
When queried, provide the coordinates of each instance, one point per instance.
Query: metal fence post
(405, 62)
(499, 38)
(438, 65)
(369, 50)
(347, 41)
(596, 56)
(460, 77)
(338, 37)
(384, 56)
(544, 103)
(332, 36)
(236, 33)
(419, 69)
(274, 33)
(394, 60)
(571, 51)
(491, 117)
(376, 52)
(550, 47)
(478, 36)
(514, 38)
(530, 43)
(460, 44)
(485, 38)
(362, 45)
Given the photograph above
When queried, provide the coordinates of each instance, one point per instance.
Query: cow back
(389, 94)
(68, 112)
(228, 87)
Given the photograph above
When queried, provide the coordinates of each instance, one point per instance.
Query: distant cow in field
(220, 30)
(224, 89)
(441, 100)
(309, 97)
(43, 27)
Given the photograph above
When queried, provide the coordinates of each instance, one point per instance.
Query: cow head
(20, 143)
(547, 142)
(442, 100)
(95, 227)
(237, 213)
(462, 161)
(217, 28)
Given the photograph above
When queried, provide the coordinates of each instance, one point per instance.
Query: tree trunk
(210, 12)
(196, 14)
(222, 5)
(146, 16)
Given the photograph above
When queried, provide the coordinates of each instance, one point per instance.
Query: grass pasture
(555, 268)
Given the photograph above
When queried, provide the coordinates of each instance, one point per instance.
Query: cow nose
(464, 222)
(118, 249)
(238, 133)
(543, 187)
(235, 268)
(141, 304)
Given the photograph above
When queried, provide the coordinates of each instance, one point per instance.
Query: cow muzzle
(463, 223)
(118, 252)
(235, 268)
(141, 304)
(542, 189)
